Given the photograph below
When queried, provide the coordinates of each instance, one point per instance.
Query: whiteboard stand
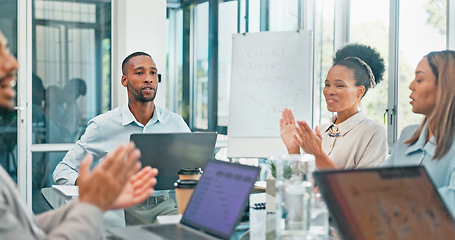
(270, 71)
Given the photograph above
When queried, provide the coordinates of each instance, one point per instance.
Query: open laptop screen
(386, 203)
(219, 198)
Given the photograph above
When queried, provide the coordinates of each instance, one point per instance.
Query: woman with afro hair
(350, 139)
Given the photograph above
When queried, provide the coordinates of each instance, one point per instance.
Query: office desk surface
(261, 225)
(139, 214)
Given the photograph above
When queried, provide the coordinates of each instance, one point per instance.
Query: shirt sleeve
(66, 171)
(376, 150)
(400, 146)
(75, 220)
(11, 227)
(390, 162)
(183, 127)
(448, 193)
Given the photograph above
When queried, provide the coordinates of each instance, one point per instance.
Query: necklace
(333, 131)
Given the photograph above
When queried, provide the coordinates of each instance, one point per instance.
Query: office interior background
(70, 52)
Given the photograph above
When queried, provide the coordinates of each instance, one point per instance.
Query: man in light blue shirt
(140, 115)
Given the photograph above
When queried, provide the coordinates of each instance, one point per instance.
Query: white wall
(138, 25)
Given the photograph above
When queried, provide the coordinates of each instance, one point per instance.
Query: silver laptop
(168, 152)
(214, 210)
(385, 203)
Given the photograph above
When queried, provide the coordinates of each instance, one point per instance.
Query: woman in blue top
(432, 143)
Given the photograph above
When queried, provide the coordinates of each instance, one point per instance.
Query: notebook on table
(214, 210)
(168, 152)
(385, 203)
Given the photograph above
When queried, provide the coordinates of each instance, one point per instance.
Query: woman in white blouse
(350, 140)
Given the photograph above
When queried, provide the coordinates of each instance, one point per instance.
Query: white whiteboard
(270, 71)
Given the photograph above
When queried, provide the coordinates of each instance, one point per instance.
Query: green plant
(287, 171)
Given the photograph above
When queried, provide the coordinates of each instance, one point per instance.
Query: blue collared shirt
(107, 131)
(442, 171)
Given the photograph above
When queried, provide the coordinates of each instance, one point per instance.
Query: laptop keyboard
(174, 230)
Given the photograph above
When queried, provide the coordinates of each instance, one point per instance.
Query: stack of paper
(260, 185)
(69, 191)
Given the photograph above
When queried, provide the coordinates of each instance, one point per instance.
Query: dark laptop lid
(168, 152)
(217, 203)
(385, 203)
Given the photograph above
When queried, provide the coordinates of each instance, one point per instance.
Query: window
(372, 28)
(422, 29)
(283, 15)
(174, 52)
(422, 26)
(248, 14)
(324, 27)
(201, 66)
(254, 16)
(226, 27)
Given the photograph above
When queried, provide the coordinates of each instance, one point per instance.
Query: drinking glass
(294, 183)
(319, 222)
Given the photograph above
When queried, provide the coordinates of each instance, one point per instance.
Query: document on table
(167, 219)
(260, 185)
(69, 191)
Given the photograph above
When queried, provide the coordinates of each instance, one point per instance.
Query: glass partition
(71, 83)
(71, 67)
(43, 164)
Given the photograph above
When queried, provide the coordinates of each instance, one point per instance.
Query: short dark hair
(131, 56)
(76, 85)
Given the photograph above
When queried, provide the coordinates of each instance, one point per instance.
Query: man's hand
(103, 186)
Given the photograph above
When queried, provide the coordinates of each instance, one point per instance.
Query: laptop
(168, 152)
(214, 210)
(385, 203)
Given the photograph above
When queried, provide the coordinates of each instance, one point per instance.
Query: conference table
(259, 226)
(113, 218)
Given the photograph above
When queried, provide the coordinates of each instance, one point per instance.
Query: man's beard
(139, 96)
(7, 104)
(6, 110)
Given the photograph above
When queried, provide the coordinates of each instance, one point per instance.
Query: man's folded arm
(66, 171)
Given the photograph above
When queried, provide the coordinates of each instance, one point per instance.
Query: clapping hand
(310, 141)
(287, 131)
(116, 182)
